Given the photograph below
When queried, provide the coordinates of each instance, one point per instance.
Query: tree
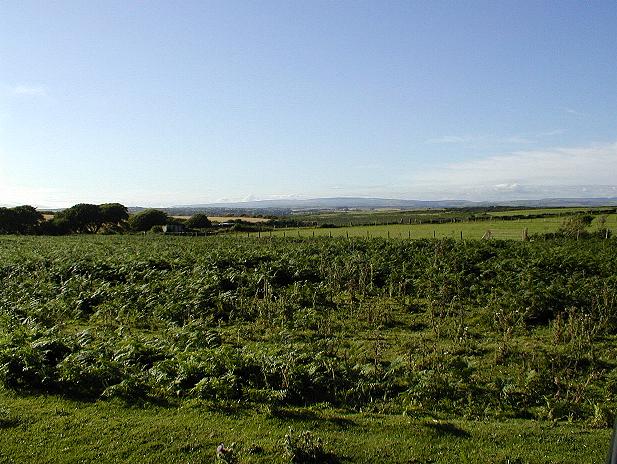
(7, 221)
(602, 221)
(55, 226)
(198, 221)
(83, 217)
(147, 219)
(19, 220)
(576, 225)
(114, 214)
(28, 219)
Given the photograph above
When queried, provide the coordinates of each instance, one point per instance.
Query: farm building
(173, 228)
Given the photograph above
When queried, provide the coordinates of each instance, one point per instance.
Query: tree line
(86, 218)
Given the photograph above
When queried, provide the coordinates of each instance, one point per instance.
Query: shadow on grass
(308, 415)
(447, 429)
(8, 420)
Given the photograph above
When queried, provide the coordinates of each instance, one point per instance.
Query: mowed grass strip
(47, 429)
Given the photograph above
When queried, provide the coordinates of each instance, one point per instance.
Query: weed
(305, 448)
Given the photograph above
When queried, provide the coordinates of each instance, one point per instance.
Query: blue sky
(167, 103)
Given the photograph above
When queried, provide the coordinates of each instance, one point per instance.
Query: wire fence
(510, 230)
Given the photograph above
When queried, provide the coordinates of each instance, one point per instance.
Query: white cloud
(507, 187)
(551, 133)
(369, 166)
(29, 90)
(455, 139)
(520, 139)
(40, 197)
(265, 197)
(529, 172)
(250, 197)
(487, 139)
(573, 112)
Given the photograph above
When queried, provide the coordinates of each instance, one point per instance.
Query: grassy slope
(558, 211)
(368, 217)
(50, 429)
(471, 230)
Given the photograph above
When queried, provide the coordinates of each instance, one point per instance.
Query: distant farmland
(500, 229)
(254, 220)
(377, 217)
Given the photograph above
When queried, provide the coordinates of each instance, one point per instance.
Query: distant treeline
(113, 218)
(85, 218)
(267, 213)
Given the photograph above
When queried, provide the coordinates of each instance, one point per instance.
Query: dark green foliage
(574, 226)
(57, 225)
(19, 220)
(305, 448)
(147, 219)
(82, 218)
(114, 214)
(198, 221)
(478, 329)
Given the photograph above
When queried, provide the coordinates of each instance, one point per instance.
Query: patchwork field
(499, 229)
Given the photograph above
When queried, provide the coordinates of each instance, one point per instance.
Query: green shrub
(305, 448)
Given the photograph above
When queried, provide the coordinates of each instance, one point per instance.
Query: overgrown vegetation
(474, 329)
(480, 330)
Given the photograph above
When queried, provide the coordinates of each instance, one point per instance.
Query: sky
(173, 103)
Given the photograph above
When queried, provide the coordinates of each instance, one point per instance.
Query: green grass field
(383, 217)
(47, 429)
(511, 230)
(556, 211)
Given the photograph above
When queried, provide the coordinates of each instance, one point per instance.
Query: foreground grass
(51, 429)
(425, 351)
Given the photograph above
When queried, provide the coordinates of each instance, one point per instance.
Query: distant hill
(375, 203)
(338, 203)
